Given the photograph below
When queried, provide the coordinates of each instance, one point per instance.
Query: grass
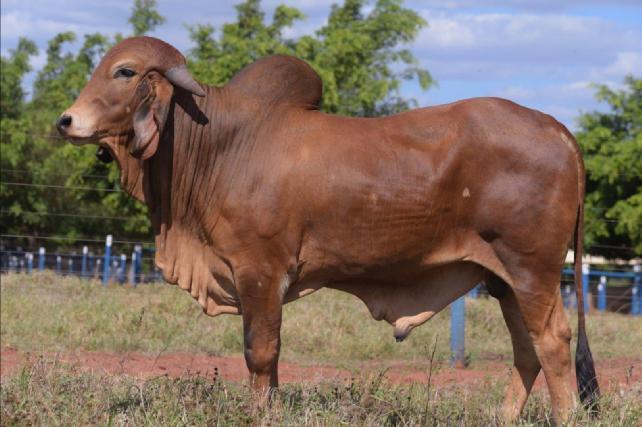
(47, 313)
(50, 393)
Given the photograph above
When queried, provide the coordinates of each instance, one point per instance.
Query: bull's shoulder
(279, 79)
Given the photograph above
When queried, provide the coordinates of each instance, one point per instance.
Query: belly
(402, 299)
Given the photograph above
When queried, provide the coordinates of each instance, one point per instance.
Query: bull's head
(128, 96)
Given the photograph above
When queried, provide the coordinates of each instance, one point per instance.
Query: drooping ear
(155, 94)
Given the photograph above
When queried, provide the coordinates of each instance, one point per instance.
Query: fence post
(90, 265)
(474, 291)
(457, 332)
(586, 270)
(636, 296)
(138, 250)
(132, 270)
(107, 262)
(58, 264)
(121, 270)
(29, 262)
(83, 264)
(601, 294)
(70, 268)
(41, 259)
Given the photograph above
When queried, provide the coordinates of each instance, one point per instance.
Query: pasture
(74, 352)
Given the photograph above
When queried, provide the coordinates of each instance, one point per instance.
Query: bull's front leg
(261, 304)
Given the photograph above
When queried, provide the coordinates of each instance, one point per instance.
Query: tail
(584, 367)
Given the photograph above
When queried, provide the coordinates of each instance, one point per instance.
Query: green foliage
(34, 154)
(13, 70)
(612, 146)
(240, 43)
(357, 55)
(145, 17)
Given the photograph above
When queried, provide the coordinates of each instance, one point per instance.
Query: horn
(181, 77)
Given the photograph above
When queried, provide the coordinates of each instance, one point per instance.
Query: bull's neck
(185, 179)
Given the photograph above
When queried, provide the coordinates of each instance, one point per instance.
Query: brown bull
(257, 198)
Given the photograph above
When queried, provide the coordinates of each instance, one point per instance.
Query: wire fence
(616, 289)
(613, 288)
(626, 297)
(106, 265)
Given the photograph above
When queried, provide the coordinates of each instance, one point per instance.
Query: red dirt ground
(611, 372)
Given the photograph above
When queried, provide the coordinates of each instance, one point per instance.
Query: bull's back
(395, 189)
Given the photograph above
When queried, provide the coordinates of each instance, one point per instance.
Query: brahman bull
(257, 198)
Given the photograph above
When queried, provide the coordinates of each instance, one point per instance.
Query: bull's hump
(279, 79)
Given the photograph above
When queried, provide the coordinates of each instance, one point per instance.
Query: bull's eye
(124, 73)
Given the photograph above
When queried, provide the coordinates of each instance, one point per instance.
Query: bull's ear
(150, 116)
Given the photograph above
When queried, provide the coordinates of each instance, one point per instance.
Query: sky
(544, 54)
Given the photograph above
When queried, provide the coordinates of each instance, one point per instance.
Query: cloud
(541, 53)
(516, 92)
(522, 5)
(527, 47)
(24, 23)
(525, 38)
(624, 63)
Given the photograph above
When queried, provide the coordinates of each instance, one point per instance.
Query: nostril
(64, 122)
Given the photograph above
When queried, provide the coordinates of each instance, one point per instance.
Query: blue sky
(541, 53)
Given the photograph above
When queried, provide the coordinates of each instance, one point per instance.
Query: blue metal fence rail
(458, 307)
(635, 276)
(108, 267)
(112, 268)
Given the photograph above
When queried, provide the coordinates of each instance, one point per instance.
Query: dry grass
(49, 393)
(48, 313)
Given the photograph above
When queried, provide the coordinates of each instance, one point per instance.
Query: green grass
(47, 313)
(47, 392)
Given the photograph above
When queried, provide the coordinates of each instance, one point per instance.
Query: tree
(240, 43)
(145, 17)
(612, 146)
(36, 162)
(357, 55)
(14, 130)
(14, 68)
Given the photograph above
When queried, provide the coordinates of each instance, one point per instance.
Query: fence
(106, 267)
(111, 268)
(458, 307)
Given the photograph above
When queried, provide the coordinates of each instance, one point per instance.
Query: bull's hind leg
(546, 322)
(526, 365)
